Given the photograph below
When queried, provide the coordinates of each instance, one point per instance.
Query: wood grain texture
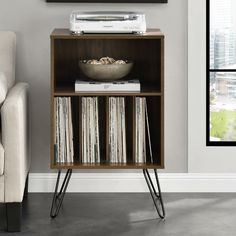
(147, 52)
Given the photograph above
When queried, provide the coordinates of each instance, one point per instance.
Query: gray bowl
(107, 72)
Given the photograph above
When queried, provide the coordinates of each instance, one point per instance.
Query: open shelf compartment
(155, 129)
(146, 55)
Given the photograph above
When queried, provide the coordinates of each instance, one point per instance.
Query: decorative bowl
(105, 72)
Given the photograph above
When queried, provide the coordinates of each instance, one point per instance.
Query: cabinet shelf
(147, 90)
(66, 34)
(147, 53)
(78, 165)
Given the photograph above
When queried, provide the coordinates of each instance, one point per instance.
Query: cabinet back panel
(145, 54)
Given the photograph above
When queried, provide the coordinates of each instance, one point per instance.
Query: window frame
(208, 72)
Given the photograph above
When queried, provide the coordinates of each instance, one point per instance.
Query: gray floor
(129, 215)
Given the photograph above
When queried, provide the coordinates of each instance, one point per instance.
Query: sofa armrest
(14, 115)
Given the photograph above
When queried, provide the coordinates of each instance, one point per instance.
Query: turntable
(107, 22)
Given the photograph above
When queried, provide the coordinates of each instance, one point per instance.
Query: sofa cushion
(3, 88)
(1, 158)
(7, 58)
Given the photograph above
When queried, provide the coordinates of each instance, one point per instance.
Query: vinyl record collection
(89, 135)
(117, 130)
(63, 130)
(90, 131)
(140, 134)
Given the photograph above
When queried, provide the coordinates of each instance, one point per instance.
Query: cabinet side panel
(102, 116)
(76, 116)
(129, 126)
(162, 103)
(52, 121)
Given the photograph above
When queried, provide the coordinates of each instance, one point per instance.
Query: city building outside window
(221, 72)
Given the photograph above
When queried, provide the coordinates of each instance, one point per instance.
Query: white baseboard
(134, 182)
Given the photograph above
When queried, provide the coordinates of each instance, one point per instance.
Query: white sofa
(14, 143)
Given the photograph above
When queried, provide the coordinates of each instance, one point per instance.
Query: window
(221, 73)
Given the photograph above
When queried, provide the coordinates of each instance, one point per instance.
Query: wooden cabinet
(147, 53)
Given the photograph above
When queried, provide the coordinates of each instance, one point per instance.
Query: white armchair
(14, 143)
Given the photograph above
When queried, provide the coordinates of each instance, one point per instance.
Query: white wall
(200, 157)
(33, 21)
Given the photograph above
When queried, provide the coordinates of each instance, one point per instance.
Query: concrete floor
(128, 215)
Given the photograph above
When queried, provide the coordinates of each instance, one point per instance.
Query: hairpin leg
(58, 197)
(156, 197)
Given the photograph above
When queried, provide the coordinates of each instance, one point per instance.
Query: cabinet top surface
(66, 34)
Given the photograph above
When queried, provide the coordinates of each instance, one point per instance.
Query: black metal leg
(58, 197)
(63, 184)
(156, 197)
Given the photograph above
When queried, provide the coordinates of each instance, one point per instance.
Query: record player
(107, 22)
